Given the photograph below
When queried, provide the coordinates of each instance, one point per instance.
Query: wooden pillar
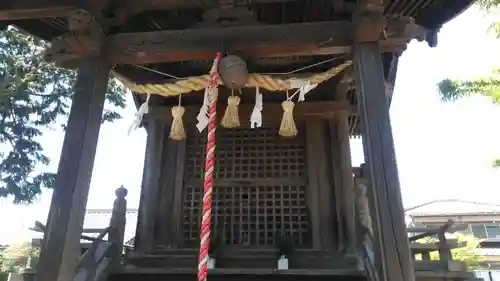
(346, 179)
(61, 243)
(316, 181)
(343, 183)
(320, 191)
(338, 222)
(144, 240)
(391, 239)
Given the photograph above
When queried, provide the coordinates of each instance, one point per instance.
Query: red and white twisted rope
(206, 219)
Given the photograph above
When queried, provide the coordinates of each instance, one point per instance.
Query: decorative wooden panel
(260, 187)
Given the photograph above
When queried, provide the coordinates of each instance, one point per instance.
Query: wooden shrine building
(334, 60)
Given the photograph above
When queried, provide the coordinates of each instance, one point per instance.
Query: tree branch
(452, 90)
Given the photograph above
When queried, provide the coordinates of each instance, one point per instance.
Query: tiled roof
(453, 207)
(100, 218)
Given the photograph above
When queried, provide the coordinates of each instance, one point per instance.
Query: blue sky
(443, 150)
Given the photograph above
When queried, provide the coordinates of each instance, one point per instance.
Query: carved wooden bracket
(405, 27)
(85, 39)
(369, 28)
(370, 21)
(227, 13)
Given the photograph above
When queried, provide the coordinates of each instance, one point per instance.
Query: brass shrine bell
(233, 72)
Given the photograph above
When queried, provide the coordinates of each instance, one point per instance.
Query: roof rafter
(37, 9)
(32, 9)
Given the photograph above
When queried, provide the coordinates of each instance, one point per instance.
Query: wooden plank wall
(162, 189)
(160, 216)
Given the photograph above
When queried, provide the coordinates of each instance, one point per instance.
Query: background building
(482, 219)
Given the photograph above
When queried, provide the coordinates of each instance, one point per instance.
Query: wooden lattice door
(260, 187)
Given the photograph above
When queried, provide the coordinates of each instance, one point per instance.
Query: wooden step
(152, 274)
(243, 259)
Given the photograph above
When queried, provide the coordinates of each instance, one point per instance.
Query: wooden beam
(202, 43)
(391, 239)
(61, 242)
(418, 248)
(34, 9)
(250, 52)
(302, 39)
(272, 112)
(247, 40)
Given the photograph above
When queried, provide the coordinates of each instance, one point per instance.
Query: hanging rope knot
(287, 106)
(178, 111)
(177, 131)
(288, 128)
(233, 101)
(231, 118)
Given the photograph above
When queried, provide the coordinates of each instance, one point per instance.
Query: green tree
(15, 257)
(35, 95)
(491, 6)
(489, 86)
(468, 254)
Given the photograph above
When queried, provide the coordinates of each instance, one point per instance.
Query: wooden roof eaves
(424, 11)
(454, 8)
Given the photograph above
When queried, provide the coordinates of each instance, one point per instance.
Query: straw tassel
(288, 128)
(177, 131)
(231, 118)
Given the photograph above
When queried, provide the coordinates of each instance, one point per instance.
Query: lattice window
(260, 187)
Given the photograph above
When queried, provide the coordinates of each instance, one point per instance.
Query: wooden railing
(95, 263)
(102, 255)
(437, 243)
(444, 267)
